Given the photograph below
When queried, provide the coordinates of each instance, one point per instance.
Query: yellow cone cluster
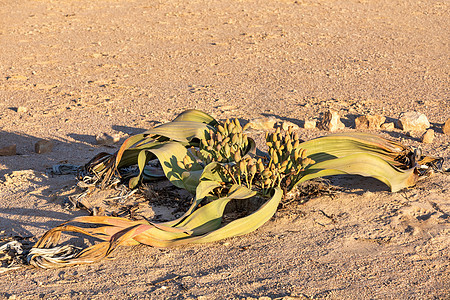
(227, 144)
(287, 157)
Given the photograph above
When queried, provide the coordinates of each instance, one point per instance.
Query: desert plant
(217, 162)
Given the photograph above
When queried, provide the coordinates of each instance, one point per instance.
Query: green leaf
(168, 155)
(205, 187)
(181, 131)
(129, 142)
(142, 161)
(209, 217)
(212, 173)
(191, 179)
(196, 116)
(343, 144)
(364, 164)
(246, 224)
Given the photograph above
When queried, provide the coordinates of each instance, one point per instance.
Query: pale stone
(331, 121)
(428, 137)
(286, 124)
(106, 139)
(310, 124)
(43, 146)
(262, 123)
(8, 150)
(22, 109)
(413, 121)
(446, 127)
(369, 122)
(388, 126)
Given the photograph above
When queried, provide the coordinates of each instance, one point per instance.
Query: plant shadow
(357, 184)
(128, 130)
(27, 174)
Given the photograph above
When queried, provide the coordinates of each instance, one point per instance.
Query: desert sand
(73, 69)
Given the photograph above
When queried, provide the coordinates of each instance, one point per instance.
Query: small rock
(8, 150)
(310, 124)
(369, 122)
(286, 124)
(22, 109)
(446, 127)
(106, 139)
(428, 137)
(388, 126)
(43, 146)
(262, 123)
(413, 121)
(331, 121)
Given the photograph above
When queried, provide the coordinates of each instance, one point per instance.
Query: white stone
(413, 121)
(262, 123)
(22, 109)
(286, 124)
(106, 139)
(310, 124)
(387, 126)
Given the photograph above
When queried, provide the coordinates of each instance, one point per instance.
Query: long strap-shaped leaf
(364, 164)
(195, 115)
(120, 231)
(181, 131)
(169, 154)
(246, 224)
(189, 125)
(343, 144)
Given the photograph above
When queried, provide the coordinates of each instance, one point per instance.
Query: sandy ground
(80, 68)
